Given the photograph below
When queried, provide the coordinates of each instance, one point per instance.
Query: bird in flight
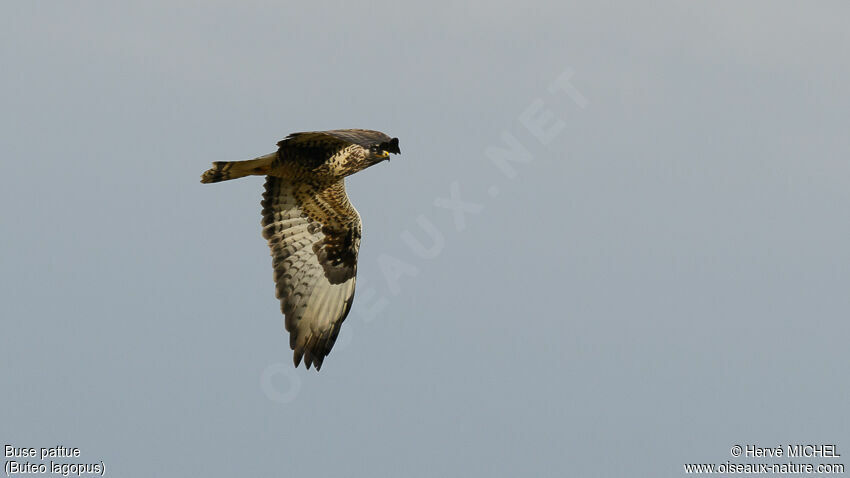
(312, 229)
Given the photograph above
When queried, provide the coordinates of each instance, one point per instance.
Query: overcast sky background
(667, 277)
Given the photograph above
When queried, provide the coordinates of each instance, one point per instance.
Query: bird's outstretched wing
(314, 236)
(338, 138)
(313, 148)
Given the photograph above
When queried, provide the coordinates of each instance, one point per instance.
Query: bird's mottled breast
(347, 161)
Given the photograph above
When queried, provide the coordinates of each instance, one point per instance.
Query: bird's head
(381, 151)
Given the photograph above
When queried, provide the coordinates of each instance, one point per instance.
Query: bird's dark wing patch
(361, 137)
(310, 149)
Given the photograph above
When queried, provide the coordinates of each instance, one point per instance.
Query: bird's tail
(224, 170)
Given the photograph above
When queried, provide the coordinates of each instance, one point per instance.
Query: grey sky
(666, 278)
